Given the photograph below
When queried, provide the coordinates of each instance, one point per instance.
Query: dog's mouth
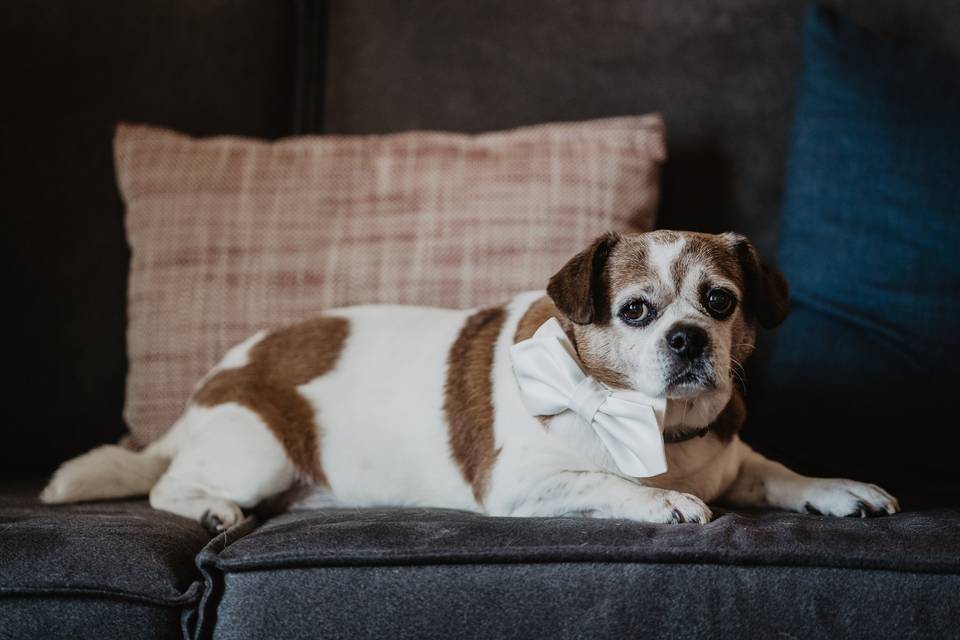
(690, 381)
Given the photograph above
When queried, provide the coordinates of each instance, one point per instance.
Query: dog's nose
(687, 340)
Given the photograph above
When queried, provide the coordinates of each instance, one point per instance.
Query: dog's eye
(720, 301)
(635, 312)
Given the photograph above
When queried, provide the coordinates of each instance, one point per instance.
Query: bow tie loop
(552, 381)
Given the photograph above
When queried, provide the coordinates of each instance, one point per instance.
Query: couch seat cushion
(106, 569)
(429, 573)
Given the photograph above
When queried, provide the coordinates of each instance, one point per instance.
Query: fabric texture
(229, 236)
(439, 573)
(95, 570)
(586, 600)
(862, 378)
(922, 541)
(38, 617)
(722, 73)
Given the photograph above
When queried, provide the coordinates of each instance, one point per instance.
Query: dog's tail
(110, 472)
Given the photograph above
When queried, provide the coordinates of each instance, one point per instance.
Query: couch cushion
(106, 570)
(230, 236)
(437, 573)
(863, 376)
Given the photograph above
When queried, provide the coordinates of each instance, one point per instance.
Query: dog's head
(671, 314)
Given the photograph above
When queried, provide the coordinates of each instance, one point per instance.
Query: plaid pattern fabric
(232, 235)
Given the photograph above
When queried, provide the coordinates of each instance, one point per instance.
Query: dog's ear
(766, 294)
(579, 289)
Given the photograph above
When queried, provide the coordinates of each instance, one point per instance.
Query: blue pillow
(863, 378)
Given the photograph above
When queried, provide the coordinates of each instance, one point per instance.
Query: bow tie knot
(552, 381)
(587, 398)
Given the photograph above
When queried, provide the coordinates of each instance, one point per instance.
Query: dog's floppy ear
(766, 294)
(579, 289)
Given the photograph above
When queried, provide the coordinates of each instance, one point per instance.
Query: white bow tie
(552, 381)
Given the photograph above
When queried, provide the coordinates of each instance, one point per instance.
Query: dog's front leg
(603, 495)
(763, 482)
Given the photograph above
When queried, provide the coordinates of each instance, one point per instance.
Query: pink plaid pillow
(232, 235)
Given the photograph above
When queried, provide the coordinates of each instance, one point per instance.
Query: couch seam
(189, 597)
(294, 562)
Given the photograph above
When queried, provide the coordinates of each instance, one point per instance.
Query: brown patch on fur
(581, 288)
(709, 251)
(594, 362)
(542, 310)
(536, 314)
(731, 419)
(468, 402)
(742, 339)
(267, 385)
(764, 291)
(628, 263)
(625, 265)
(766, 294)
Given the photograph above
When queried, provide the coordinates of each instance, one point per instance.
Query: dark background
(73, 70)
(723, 73)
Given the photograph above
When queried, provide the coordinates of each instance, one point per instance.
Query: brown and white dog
(388, 405)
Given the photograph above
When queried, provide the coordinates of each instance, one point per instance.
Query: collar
(683, 436)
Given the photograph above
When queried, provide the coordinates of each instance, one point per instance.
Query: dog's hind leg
(191, 501)
(228, 460)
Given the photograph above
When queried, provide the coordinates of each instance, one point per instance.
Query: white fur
(238, 356)
(661, 257)
(384, 440)
(226, 458)
(103, 473)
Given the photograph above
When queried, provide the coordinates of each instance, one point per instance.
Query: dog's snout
(687, 340)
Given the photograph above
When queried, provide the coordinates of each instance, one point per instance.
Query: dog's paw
(221, 516)
(847, 498)
(672, 507)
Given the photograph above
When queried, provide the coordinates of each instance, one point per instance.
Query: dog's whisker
(738, 371)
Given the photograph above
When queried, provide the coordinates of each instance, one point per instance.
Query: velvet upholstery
(579, 600)
(722, 73)
(435, 573)
(113, 569)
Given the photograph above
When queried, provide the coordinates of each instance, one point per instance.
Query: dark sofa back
(722, 72)
(72, 70)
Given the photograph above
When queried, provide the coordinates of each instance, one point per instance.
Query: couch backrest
(723, 74)
(71, 71)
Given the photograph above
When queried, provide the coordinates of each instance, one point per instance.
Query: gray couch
(723, 75)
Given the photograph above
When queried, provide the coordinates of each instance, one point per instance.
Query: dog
(413, 406)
